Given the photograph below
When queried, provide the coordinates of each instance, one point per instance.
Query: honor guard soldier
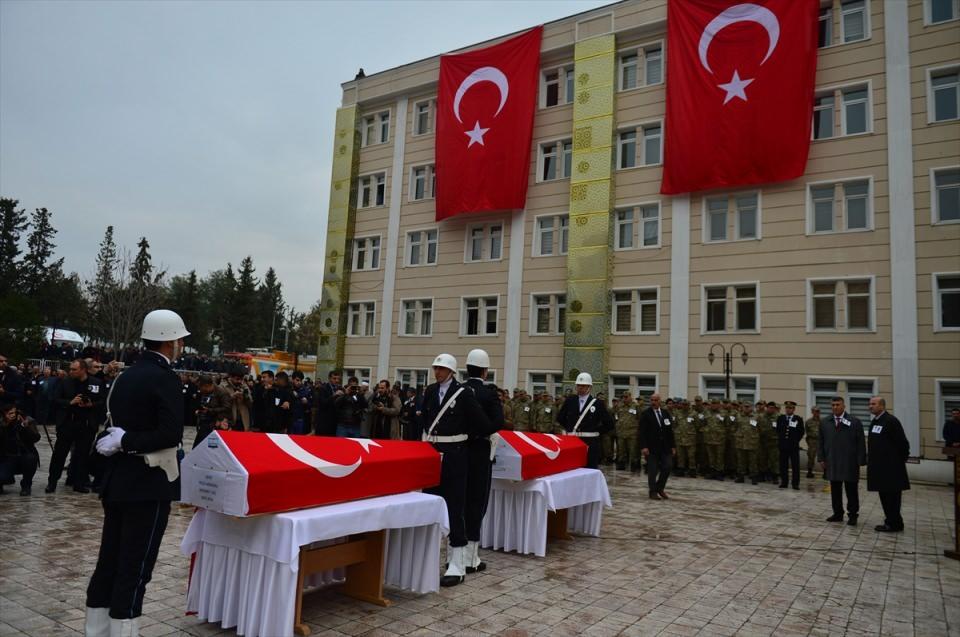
(747, 442)
(450, 413)
(480, 453)
(522, 412)
(141, 477)
(586, 417)
(686, 435)
(714, 434)
(789, 434)
(628, 428)
(812, 433)
(543, 414)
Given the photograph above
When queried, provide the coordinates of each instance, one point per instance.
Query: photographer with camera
(18, 451)
(78, 399)
(11, 384)
(241, 400)
(325, 405)
(213, 410)
(350, 408)
(384, 413)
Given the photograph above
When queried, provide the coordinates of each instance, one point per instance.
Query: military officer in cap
(543, 414)
(789, 435)
(522, 412)
(140, 477)
(584, 416)
(450, 414)
(479, 453)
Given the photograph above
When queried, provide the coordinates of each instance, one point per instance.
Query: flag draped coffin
(524, 455)
(740, 84)
(245, 473)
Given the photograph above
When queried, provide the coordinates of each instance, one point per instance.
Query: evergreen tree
(37, 270)
(271, 301)
(12, 224)
(216, 293)
(103, 284)
(243, 328)
(183, 297)
(142, 267)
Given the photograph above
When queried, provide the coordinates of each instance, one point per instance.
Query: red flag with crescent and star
(740, 84)
(485, 108)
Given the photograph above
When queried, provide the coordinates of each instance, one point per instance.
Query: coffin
(246, 473)
(524, 455)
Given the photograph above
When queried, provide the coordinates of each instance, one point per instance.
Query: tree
(20, 332)
(12, 224)
(184, 298)
(306, 331)
(37, 269)
(271, 301)
(242, 330)
(216, 294)
(142, 266)
(128, 301)
(103, 283)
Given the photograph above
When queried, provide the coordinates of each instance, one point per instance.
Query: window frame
(362, 317)
(928, 73)
(867, 23)
(640, 50)
(939, 399)
(556, 243)
(481, 320)
(562, 98)
(559, 141)
(839, 128)
(928, 14)
(353, 252)
(407, 245)
(485, 241)
(419, 317)
(374, 186)
(840, 391)
(935, 201)
(426, 370)
(555, 326)
(634, 385)
(431, 103)
(705, 376)
(841, 300)
(844, 218)
(430, 180)
(734, 226)
(364, 142)
(730, 302)
(553, 381)
(636, 327)
(937, 305)
(358, 372)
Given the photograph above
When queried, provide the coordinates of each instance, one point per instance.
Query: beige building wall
(786, 356)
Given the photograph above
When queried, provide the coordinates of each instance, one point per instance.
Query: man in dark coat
(325, 405)
(78, 402)
(842, 452)
(888, 449)
(789, 435)
(657, 445)
(586, 417)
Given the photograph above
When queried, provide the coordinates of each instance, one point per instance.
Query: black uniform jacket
(463, 416)
(887, 451)
(597, 417)
(653, 436)
(789, 437)
(490, 404)
(147, 403)
(91, 389)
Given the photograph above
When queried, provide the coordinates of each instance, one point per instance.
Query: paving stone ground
(717, 559)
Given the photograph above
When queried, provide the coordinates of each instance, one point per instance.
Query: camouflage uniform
(627, 425)
(729, 440)
(713, 435)
(747, 442)
(767, 432)
(544, 416)
(811, 430)
(522, 413)
(773, 448)
(686, 437)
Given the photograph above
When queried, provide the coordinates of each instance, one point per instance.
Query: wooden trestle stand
(954, 452)
(557, 525)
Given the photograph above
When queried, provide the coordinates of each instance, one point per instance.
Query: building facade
(843, 281)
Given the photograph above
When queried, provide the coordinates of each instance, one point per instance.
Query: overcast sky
(205, 126)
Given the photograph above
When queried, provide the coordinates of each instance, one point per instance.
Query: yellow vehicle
(259, 360)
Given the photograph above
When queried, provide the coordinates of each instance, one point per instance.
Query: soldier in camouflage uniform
(522, 412)
(698, 410)
(766, 431)
(608, 439)
(731, 423)
(713, 435)
(544, 415)
(773, 444)
(627, 425)
(507, 404)
(811, 431)
(686, 437)
(747, 441)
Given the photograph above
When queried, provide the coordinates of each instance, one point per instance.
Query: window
(422, 182)
(422, 112)
(551, 230)
(479, 316)
(649, 58)
(636, 311)
(743, 388)
(825, 28)
(743, 208)
(422, 247)
(823, 116)
(855, 111)
(946, 302)
(855, 392)
(943, 94)
(651, 145)
(716, 309)
(844, 304)
(639, 385)
(853, 20)
(416, 319)
(627, 149)
(484, 242)
(853, 117)
(366, 253)
(650, 135)
(360, 318)
(491, 378)
(375, 129)
(945, 204)
(745, 305)
(548, 314)
(643, 219)
(372, 190)
(556, 160)
(360, 373)
(845, 205)
(623, 230)
(948, 398)
(550, 382)
(556, 87)
(413, 377)
(937, 11)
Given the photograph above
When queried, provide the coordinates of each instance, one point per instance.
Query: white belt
(583, 434)
(441, 439)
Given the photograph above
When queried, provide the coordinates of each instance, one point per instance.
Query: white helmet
(583, 378)
(478, 358)
(163, 325)
(445, 360)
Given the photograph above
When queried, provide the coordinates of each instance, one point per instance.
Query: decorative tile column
(340, 221)
(590, 228)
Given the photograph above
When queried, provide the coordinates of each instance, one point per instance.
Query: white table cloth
(516, 517)
(245, 569)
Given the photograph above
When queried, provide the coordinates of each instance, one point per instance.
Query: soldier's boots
(693, 473)
(753, 479)
(739, 480)
(680, 472)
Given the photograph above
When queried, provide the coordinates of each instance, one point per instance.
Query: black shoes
(796, 487)
(884, 528)
(655, 496)
(836, 517)
(739, 480)
(783, 486)
(50, 488)
(81, 489)
(852, 520)
(25, 490)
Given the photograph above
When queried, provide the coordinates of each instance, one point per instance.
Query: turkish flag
(740, 82)
(485, 107)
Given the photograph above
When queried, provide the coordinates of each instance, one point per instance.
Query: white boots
(125, 627)
(456, 566)
(97, 623)
(473, 563)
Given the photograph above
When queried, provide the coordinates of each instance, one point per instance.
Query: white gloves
(110, 444)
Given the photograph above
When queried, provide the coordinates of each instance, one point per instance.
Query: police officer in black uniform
(479, 454)
(586, 417)
(78, 400)
(450, 413)
(789, 434)
(141, 477)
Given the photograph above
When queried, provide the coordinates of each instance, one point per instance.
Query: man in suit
(325, 406)
(450, 413)
(657, 446)
(888, 449)
(789, 435)
(586, 417)
(842, 452)
(140, 479)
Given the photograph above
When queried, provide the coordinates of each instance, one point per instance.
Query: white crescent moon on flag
(740, 13)
(327, 468)
(483, 74)
(551, 454)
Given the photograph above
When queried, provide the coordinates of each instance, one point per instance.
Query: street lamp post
(727, 362)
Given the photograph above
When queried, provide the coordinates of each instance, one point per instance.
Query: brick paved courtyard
(717, 559)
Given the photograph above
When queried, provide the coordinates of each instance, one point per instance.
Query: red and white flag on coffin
(246, 473)
(485, 107)
(740, 83)
(524, 455)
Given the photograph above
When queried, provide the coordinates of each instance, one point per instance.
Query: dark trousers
(479, 470)
(594, 451)
(24, 464)
(659, 464)
(78, 436)
(790, 458)
(132, 532)
(890, 500)
(453, 488)
(853, 497)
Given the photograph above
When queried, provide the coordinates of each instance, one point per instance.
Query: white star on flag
(476, 135)
(735, 88)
